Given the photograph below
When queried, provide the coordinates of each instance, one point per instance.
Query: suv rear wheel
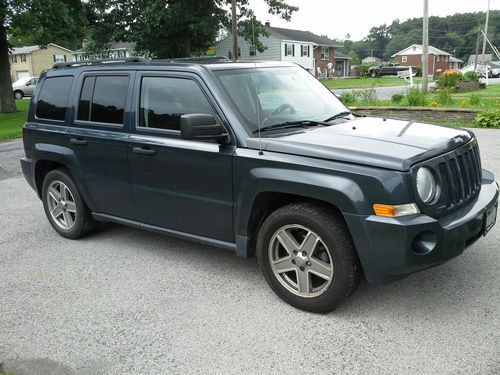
(307, 256)
(64, 206)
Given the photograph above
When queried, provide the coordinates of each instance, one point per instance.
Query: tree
(39, 21)
(173, 28)
(355, 57)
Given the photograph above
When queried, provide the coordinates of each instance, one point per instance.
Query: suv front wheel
(307, 256)
(64, 206)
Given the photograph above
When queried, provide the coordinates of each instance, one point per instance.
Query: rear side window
(164, 100)
(53, 98)
(102, 99)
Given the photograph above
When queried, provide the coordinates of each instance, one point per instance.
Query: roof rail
(200, 59)
(97, 61)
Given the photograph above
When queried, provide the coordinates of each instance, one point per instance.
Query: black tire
(18, 94)
(333, 231)
(374, 75)
(83, 222)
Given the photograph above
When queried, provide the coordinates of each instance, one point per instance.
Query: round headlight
(426, 185)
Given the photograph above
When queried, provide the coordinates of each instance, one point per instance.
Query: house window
(13, 59)
(438, 58)
(404, 59)
(253, 51)
(59, 58)
(304, 51)
(289, 50)
(325, 53)
(23, 57)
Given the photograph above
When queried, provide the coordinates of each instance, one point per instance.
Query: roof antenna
(257, 104)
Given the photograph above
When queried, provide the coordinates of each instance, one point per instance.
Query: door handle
(78, 141)
(144, 151)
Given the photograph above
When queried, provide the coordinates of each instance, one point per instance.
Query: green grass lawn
(11, 124)
(365, 82)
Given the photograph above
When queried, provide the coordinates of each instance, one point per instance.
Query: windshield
(274, 96)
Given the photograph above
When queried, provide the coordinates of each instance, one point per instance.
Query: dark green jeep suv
(260, 159)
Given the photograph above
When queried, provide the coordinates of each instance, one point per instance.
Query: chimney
(268, 24)
(84, 43)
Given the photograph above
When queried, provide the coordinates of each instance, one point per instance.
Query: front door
(178, 184)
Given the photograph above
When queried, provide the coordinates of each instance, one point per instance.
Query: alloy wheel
(62, 206)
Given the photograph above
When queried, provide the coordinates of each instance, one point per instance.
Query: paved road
(384, 93)
(125, 301)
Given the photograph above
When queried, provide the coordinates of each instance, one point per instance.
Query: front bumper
(391, 248)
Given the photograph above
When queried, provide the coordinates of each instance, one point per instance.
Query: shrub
(470, 76)
(449, 78)
(348, 98)
(475, 99)
(397, 98)
(416, 98)
(443, 96)
(488, 119)
(363, 69)
(419, 71)
(367, 96)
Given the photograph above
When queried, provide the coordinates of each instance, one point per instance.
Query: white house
(302, 47)
(116, 50)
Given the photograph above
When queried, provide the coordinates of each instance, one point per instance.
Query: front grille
(459, 176)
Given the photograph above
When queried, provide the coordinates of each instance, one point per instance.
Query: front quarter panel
(350, 188)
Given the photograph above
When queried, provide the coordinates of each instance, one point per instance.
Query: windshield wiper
(292, 124)
(339, 115)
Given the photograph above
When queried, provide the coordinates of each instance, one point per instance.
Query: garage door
(22, 74)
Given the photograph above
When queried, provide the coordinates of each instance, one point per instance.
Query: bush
(416, 98)
(348, 98)
(488, 119)
(474, 99)
(449, 79)
(368, 96)
(363, 69)
(397, 98)
(443, 96)
(419, 71)
(470, 76)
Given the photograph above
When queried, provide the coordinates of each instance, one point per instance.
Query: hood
(390, 144)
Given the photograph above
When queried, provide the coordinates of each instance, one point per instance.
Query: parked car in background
(493, 70)
(24, 87)
(391, 69)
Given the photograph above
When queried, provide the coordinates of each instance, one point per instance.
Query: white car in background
(24, 87)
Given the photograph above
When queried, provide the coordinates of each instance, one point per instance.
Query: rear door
(178, 184)
(98, 133)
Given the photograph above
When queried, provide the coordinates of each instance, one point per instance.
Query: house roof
(432, 50)
(30, 49)
(301, 36)
(113, 47)
(454, 59)
(487, 57)
(341, 56)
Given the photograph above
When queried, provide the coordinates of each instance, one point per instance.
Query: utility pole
(477, 49)
(486, 32)
(234, 30)
(425, 47)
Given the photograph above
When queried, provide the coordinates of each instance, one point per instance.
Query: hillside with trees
(455, 34)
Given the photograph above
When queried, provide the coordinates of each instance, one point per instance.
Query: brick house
(301, 47)
(30, 61)
(439, 60)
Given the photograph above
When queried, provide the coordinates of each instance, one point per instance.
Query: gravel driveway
(124, 301)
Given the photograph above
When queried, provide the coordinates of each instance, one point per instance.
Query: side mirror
(201, 126)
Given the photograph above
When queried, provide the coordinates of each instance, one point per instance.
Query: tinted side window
(164, 100)
(53, 99)
(108, 103)
(85, 99)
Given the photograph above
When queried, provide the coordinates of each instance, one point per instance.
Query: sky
(337, 18)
